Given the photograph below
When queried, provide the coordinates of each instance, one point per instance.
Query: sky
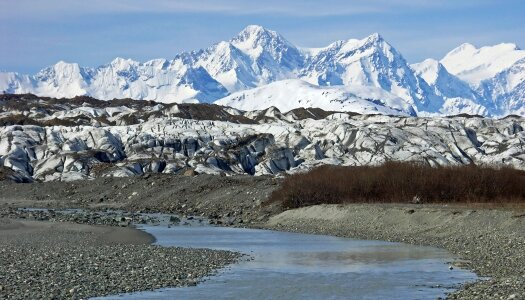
(35, 34)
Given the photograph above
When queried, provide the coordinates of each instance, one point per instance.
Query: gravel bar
(46, 260)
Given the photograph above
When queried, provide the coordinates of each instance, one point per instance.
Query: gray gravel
(89, 217)
(223, 200)
(491, 241)
(226, 200)
(70, 261)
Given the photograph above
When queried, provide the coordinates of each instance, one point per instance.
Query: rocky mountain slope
(358, 75)
(66, 139)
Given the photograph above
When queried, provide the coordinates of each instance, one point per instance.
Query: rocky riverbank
(490, 242)
(224, 200)
(90, 217)
(115, 203)
(48, 260)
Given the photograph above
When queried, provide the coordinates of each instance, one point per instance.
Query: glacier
(47, 139)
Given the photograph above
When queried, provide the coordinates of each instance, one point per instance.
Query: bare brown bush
(396, 182)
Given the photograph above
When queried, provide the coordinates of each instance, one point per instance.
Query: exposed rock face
(106, 141)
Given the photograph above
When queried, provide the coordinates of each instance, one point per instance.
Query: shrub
(396, 182)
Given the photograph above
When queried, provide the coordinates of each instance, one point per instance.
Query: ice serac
(370, 62)
(91, 138)
(458, 96)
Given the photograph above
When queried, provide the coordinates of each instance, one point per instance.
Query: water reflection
(301, 266)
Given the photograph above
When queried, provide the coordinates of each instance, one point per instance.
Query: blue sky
(35, 34)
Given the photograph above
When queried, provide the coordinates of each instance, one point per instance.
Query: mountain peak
(375, 37)
(255, 32)
(254, 29)
(506, 47)
(374, 42)
(463, 47)
(119, 60)
(122, 63)
(63, 64)
(262, 44)
(254, 36)
(430, 63)
(61, 67)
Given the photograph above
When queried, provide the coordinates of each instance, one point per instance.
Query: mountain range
(259, 68)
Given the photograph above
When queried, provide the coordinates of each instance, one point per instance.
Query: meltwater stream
(302, 266)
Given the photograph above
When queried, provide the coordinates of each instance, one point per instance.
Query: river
(301, 266)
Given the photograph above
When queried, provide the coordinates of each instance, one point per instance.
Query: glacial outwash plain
(254, 135)
(119, 160)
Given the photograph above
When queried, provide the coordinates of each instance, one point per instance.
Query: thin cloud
(53, 8)
(39, 32)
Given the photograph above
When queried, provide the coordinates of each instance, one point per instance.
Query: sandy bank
(16, 231)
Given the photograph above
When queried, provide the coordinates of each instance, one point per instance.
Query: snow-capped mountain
(496, 73)
(256, 56)
(505, 92)
(157, 80)
(273, 57)
(259, 68)
(370, 62)
(457, 95)
(12, 82)
(229, 66)
(474, 65)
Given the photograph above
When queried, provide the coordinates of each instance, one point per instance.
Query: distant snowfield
(293, 93)
(259, 68)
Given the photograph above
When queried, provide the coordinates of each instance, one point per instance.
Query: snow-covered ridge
(475, 65)
(259, 68)
(81, 138)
